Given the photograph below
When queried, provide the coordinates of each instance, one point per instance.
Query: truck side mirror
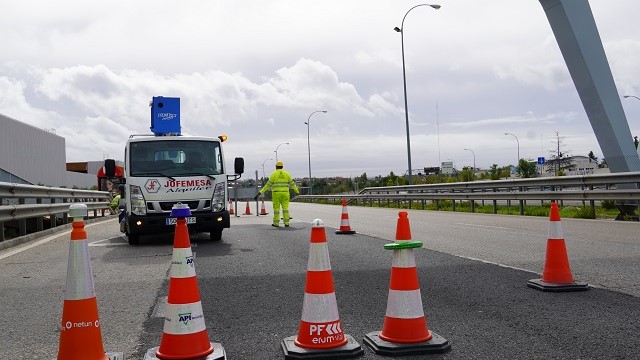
(110, 168)
(238, 165)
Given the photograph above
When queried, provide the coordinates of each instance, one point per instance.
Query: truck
(164, 168)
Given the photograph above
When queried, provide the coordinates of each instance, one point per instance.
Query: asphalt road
(473, 271)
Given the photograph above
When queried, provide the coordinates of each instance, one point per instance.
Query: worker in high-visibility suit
(279, 182)
(114, 203)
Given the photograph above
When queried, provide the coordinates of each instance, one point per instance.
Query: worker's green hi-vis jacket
(280, 181)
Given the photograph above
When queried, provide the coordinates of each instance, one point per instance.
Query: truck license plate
(172, 221)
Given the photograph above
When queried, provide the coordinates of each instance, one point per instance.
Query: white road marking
(40, 242)
(100, 242)
(485, 226)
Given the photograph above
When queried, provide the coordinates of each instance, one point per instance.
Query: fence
(624, 188)
(28, 208)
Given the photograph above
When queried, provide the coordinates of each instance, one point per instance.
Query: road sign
(541, 160)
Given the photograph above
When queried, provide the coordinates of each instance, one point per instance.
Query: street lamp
(518, 141)
(633, 96)
(276, 150)
(308, 123)
(404, 80)
(474, 158)
(263, 175)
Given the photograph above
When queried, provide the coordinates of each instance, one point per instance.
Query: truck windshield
(175, 158)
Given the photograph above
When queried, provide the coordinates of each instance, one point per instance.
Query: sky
(258, 70)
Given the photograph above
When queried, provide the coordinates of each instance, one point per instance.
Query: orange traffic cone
(405, 330)
(344, 220)
(247, 210)
(556, 275)
(80, 335)
(231, 210)
(185, 334)
(263, 211)
(320, 333)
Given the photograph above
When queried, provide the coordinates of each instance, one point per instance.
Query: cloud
(547, 120)
(105, 105)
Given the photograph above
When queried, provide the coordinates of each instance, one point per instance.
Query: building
(30, 155)
(448, 168)
(582, 165)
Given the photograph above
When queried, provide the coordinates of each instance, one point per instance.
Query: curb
(36, 235)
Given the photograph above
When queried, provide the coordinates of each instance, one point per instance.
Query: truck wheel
(215, 235)
(133, 239)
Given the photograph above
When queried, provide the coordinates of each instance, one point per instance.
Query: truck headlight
(138, 205)
(217, 201)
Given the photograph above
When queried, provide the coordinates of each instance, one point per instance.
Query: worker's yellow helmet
(280, 164)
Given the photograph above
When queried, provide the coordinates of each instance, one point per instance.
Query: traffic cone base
(349, 350)
(217, 354)
(436, 345)
(556, 275)
(345, 232)
(538, 284)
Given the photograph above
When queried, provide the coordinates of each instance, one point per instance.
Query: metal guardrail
(26, 207)
(621, 187)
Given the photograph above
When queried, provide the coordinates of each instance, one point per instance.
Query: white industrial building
(30, 155)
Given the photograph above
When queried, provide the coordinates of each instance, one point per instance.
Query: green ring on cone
(403, 245)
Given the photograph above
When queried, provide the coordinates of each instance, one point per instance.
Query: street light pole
(263, 175)
(518, 141)
(404, 81)
(308, 123)
(276, 151)
(474, 158)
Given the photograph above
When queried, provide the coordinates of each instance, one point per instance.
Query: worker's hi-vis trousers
(280, 198)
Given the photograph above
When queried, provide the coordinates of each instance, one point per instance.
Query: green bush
(536, 210)
(608, 204)
(585, 213)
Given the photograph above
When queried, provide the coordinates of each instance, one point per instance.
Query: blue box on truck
(165, 115)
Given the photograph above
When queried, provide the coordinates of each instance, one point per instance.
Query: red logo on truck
(152, 185)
